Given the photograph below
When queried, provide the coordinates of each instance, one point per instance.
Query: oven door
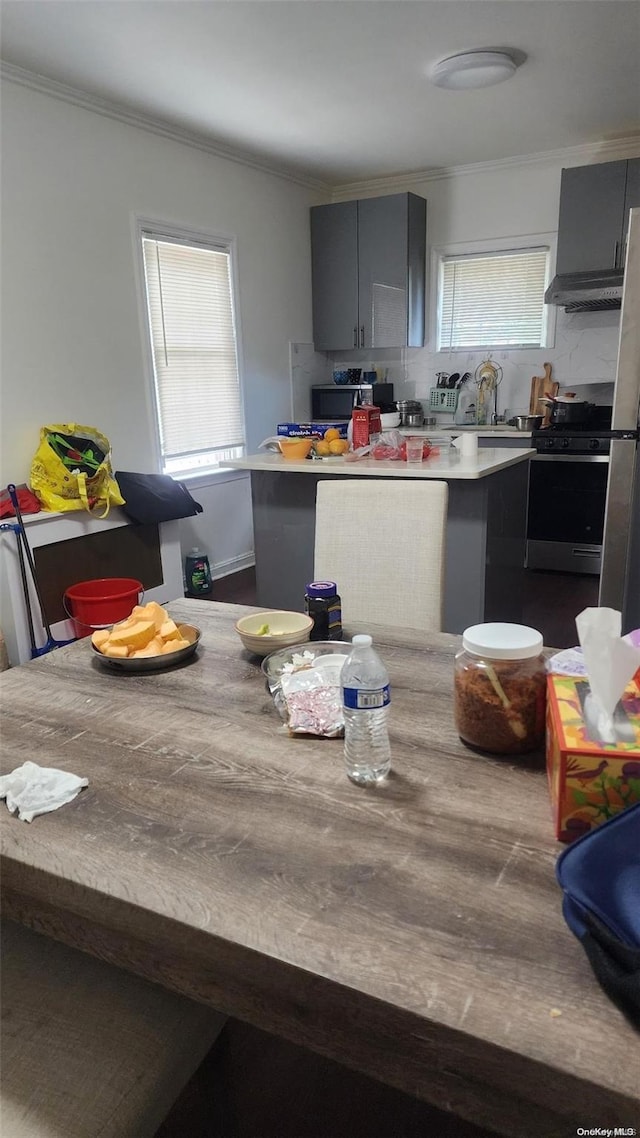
(567, 496)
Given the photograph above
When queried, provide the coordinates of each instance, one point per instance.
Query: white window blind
(492, 300)
(195, 362)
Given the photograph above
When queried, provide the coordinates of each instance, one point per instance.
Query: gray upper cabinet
(368, 261)
(594, 215)
(631, 198)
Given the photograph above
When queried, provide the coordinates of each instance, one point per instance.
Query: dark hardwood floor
(551, 600)
(236, 588)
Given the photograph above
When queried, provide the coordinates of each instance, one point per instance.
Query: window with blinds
(492, 300)
(189, 291)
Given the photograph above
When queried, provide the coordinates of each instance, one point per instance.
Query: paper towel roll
(467, 445)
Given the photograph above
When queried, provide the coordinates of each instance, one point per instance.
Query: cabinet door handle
(362, 335)
(355, 337)
(615, 254)
(623, 256)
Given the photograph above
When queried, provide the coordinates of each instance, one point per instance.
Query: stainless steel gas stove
(591, 437)
(568, 492)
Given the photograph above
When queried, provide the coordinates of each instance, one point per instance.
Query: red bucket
(97, 604)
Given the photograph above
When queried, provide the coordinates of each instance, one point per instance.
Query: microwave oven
(336, 401)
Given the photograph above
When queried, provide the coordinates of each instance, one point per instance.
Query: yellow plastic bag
(71, 470)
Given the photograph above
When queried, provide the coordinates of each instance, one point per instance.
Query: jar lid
(321, 589)
(502, 641)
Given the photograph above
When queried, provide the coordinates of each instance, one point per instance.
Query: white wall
(499, 202)
(72, 348)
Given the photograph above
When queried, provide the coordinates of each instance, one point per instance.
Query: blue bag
(600, 878)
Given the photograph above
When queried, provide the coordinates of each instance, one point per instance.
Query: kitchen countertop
(452, 466)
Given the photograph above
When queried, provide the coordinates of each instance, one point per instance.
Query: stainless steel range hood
(586, 292)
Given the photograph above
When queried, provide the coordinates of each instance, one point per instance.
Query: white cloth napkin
(33, 790)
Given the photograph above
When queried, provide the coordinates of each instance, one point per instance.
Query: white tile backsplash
(585, 353)
(307, 368)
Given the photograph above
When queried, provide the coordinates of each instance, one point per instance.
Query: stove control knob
(566, 444)
(549, 443)
(594, 444)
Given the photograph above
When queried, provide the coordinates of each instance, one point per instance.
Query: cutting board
(542, 385)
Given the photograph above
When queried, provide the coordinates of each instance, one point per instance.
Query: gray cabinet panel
(416, 270)
(591, 217)
(334, 275)
(631, 197)
(382, 271)
(499, 443)
(368, 273)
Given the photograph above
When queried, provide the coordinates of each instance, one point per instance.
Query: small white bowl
(389, 420)
(285, 629)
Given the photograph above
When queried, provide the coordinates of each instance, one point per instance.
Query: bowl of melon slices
(149, 640)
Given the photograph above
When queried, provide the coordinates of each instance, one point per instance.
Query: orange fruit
(331, 433)
(338, 446)
(323, 448)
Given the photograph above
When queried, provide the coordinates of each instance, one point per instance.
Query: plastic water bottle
(365, 700)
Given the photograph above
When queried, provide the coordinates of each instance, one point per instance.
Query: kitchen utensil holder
(442, 399)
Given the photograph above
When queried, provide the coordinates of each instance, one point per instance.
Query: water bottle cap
(321, 589)
(362, 639)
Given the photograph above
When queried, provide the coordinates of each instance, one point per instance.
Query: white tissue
(610, 660)
(33, 790)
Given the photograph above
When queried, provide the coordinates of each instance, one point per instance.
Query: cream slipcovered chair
(89, 1050)
(383, 542)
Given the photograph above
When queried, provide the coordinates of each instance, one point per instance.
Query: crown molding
(584, 155)
(117, 111)
(606, 150)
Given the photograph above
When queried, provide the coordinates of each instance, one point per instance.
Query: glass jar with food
(500, 688)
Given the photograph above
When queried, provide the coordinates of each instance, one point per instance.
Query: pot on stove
(566, 411)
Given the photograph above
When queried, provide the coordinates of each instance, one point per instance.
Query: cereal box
(589, 780)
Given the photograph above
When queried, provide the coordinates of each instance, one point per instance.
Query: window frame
(146, 226)
(497, 245)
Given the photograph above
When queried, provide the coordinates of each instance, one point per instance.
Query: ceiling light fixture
(473, 69)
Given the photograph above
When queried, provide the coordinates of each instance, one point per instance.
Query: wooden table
(413, 931)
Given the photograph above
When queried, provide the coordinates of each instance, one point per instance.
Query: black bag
(153, 498)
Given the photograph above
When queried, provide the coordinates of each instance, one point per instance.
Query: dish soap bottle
(197, 573)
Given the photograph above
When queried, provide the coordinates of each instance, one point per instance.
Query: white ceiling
(336, 90)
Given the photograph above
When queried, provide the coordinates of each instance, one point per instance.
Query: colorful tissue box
(589, 781)
(309, 430)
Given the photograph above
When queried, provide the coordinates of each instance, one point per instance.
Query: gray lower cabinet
(368, 261)
(485, 543)
(594, 215)
(500, 443)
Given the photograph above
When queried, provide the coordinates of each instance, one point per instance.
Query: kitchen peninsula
(486, 526)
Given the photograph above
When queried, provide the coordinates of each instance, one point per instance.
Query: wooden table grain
(413, 931)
